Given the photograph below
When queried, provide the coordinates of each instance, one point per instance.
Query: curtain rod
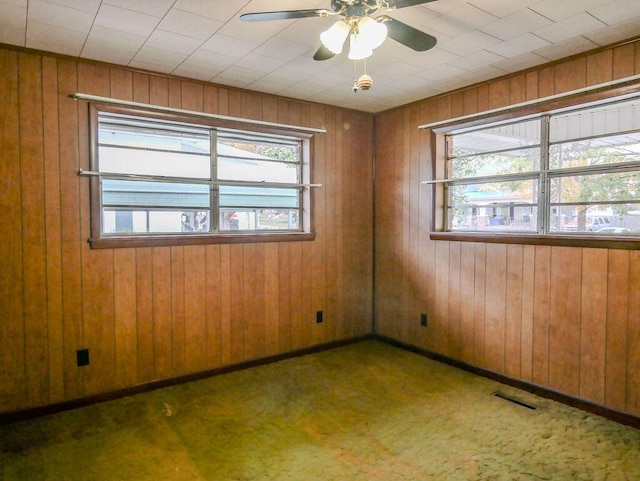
(530, 102)
(95, 98)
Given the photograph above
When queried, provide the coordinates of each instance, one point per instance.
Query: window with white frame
(176, 179)
(570, 172)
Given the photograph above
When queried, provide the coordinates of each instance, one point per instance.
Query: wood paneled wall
(153, 313)
(564, 318)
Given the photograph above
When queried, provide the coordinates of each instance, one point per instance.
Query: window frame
(99, 241)
(438, 228)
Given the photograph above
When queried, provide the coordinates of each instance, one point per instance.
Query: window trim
(438, 153)
(97, 241)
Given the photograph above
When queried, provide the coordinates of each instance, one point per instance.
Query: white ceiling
(205, 39)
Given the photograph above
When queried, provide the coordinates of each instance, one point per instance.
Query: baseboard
(31, 413)
(606, 412)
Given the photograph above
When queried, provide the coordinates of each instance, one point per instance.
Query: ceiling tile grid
(206, 40)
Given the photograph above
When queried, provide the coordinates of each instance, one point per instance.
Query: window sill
(542, 240)
(159, 241)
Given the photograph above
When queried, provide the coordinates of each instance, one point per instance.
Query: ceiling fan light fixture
(373, 33)
(358, 48)
(334, 37)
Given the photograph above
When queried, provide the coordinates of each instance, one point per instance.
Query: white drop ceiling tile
(515, 24)
(444, 7)
(481, 75)
(196, 71)
(451, 84)
(172, 42)
(156, 8)
(441, 72)
(257, 32)
(13, 35)
(42, 36)
(566, 48)
(331, 79)
(13, 15)
(615, 33)
(237, 76)
(230, 46)
(568, 28)
(478, 60)
(281, 49)
(106, 53)
(273, 85)
(306, 64)
(519, 45)
(106, 38)
(302, 90)
(397, 70)
(220, 10)
(189, 24)
(617, 11)
(168, 60)
(151, 66)
(124, 20)
(306, 32)
(260, 63)
(557, 10)
(500, 8)
(431, 58)
(59, 16)
(469, 43)
(416, 17)
(409, 83)
(89, 6)
(15, 3)
(460, 21)
(215, 61)
(521, 62)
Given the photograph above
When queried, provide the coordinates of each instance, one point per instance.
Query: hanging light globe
(373, 33)
(334, 37)
(358, 49)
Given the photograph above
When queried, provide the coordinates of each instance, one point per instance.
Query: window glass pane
(603, 219)
(515, 161)
(149, 134)
(237, 164)
(493, 139)
(148, 162)
(586, 153)
(596, 121)
(138, 146)
(614, 186)
(154, 221)
(259, 219)
(253, 146)
(137, 193)
(236, 196)
(494, 206)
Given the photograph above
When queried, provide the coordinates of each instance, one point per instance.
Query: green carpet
(367, 411)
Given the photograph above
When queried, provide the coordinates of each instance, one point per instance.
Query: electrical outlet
(319, 316)
(82, 357)
(423, 319)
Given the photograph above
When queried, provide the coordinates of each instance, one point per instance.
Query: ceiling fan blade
(323, 53)
(407, 35)
(407, 3)
(284, 15)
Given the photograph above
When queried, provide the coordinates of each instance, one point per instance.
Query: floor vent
(515, 401)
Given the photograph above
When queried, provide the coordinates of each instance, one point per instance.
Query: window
(179, 179)
(568, 173)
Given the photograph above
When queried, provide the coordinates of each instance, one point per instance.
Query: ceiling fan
(365, 32)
